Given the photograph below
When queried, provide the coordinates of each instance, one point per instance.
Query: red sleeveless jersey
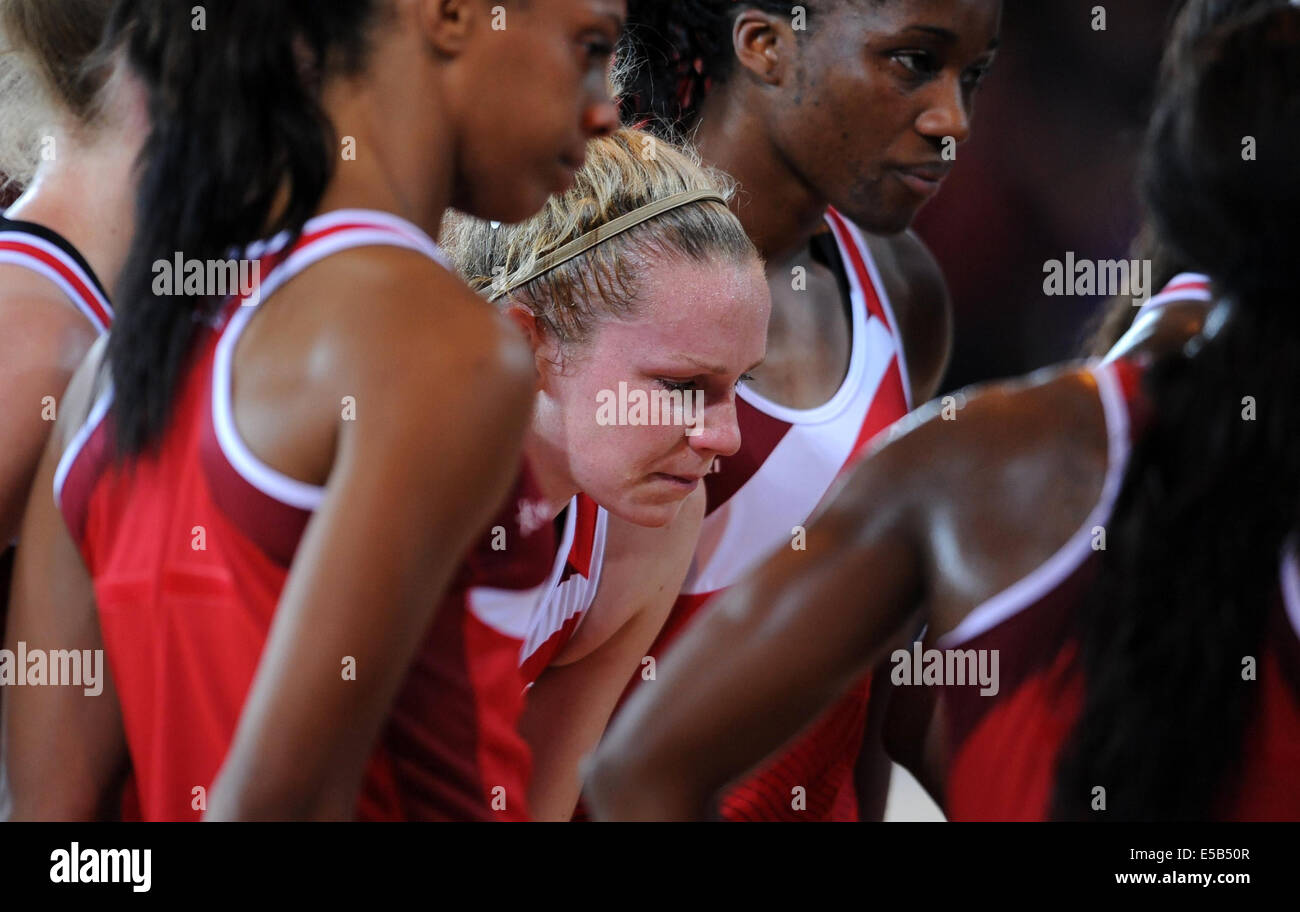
(788, 460)
(571, 589)
(1002, 749)
(47, 253)
(184, 625)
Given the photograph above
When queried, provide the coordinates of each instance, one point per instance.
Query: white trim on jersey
(1058, 568)
(787, 488)
(883, 296)
(511, 611)
(760, 517)
(1172, 292)
(388, 231)
(851, 386)
(564, 599)
(17, 258)
(88, 427)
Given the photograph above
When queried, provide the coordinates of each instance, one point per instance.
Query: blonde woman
(645, 304)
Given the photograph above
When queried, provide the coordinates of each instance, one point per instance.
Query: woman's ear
(762, 42)
(525, 320)
(523, 317)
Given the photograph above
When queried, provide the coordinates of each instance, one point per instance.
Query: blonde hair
(47, 71)
(624, 172)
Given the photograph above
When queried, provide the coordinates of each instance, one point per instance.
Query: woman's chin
(651, 515)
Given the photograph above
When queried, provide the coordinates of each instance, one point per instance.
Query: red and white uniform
(1186, 286)
(184, 629)
(47, 253)
(1002, 749)
(571, 589)
(788, 459)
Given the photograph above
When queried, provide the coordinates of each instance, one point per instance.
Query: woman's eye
(676, 385)
(598, 51)
(975, 76)
(918, 63)
(745, 378)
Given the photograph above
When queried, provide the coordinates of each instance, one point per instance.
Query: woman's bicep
(40, 349)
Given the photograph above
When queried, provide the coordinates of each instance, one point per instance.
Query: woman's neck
(84, 191)
(549, 465)
(780, 212)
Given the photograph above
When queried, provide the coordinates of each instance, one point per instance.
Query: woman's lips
(686, 483)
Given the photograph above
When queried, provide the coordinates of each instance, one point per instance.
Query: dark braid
(672, 55)
(1209, 497)
(236, 122)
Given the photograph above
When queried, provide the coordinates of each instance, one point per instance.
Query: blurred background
(1049, 168)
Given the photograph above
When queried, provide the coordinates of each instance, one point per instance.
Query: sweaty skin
(404, 498)
(835, 117)
(84, 194)
(935, 522)
(940, 518)
(688, 315)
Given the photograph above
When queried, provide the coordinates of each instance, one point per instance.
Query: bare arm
(1162, 332)
(407, 495)
(44, 340)
(570, 705)
(64, 750)
(767, 657)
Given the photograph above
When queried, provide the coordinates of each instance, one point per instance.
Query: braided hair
(1211, 492)
(237, 121)
(673, 54)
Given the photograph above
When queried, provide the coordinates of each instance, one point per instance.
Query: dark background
(1049, 168)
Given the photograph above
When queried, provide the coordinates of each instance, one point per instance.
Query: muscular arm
(769, 655)
(570, 705)
(64, 749)
(442, 398)
(44, 340)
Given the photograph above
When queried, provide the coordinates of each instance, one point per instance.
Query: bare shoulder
(987, 484)
(919, 298)
(84, 389)
(995, 447)
(1163, 332)
(391, 319)
(43, 331)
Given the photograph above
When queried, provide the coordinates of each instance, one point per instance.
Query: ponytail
(1193, 22)
(240, 149)
(1213, 487)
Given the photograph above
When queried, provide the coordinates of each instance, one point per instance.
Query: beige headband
(609, 230)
